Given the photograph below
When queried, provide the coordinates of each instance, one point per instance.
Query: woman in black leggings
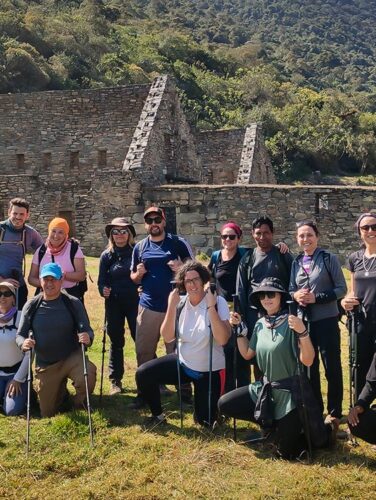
(120, 293)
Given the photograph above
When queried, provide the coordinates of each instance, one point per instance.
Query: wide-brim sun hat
(269, 285)
(10, 286)
(119, 222)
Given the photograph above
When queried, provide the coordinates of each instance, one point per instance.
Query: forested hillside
(306, 69)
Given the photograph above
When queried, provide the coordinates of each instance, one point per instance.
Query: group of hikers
(260, 307)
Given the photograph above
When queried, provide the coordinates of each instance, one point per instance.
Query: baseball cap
(154, 210)
(51, 269)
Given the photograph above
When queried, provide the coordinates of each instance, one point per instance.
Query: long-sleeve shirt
(325, 279)
(54, 329)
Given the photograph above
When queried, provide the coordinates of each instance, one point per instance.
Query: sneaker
(115, 387)
(137, 403)
(164, 391)
(154, 421)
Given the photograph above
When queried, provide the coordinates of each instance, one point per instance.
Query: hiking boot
(115, 387)
(137, 403)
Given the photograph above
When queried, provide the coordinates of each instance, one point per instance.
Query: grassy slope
(128, 462)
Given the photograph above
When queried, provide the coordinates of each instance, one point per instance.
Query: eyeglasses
(116, 232)
(228, 237)
(192, 281)
(153, 220)
(270, 295)
(367, 227)
(8, 293)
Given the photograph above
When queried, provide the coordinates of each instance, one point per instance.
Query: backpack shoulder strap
(249, 261)
(36, 302)
(41, 252)
(69, 305)
(141, 248)
(73, 250)
(326, 260)
(215, 257)
(179, 309)
(2, 231)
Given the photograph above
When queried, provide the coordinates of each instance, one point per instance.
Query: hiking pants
(152, 374)
(118, 310)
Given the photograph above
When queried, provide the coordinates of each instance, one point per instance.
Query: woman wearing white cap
(13, 362)
(120, 293)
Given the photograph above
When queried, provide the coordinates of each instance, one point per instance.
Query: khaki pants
(51, 382)
(148, 333)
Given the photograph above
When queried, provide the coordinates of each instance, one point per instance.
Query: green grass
(129, 462)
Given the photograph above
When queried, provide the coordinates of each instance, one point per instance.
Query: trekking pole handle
(292, 307)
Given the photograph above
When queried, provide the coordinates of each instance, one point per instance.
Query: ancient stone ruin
(89, 155)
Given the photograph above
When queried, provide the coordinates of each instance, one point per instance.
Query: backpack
(82, 285)
(22, 242)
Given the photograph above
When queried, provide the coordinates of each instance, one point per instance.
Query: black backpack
(82, 285)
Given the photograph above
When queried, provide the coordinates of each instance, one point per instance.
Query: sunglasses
(8, 293)
(153, 220)
(367, 227)
(228, 237)
(270, 295)
(115, 232)
(192, 281)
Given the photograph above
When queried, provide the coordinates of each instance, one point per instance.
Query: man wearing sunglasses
(155, 260)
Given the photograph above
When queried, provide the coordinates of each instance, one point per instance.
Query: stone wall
(61, 131)
(201, 210)
(220, 153)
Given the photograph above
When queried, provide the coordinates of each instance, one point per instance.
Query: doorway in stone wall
(68, 215)
(170, 213)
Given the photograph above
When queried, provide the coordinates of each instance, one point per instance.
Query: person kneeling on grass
(190, 319)
(60, 325)
(362, 418)
(274, 402)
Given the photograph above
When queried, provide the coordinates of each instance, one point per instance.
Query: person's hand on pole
(84, 338)
(296, 324)
(349, 302)
(353, 417)
(173, 298)
(106, 291)
(28, 344)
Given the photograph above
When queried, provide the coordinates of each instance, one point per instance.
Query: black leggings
(152, 374)
(287, 433)
(326, 340)
(366, 346)
(366, 429)
(117, 311)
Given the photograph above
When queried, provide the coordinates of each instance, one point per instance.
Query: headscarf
(361, 217)
(57, 223)
(234, 226)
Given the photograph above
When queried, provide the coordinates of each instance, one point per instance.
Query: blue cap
(51, 269)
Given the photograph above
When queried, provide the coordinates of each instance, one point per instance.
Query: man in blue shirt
(155, 259)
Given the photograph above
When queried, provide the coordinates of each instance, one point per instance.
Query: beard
(155, 231)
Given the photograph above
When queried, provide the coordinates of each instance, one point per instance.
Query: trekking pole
(235, 329)
(30, 361)
(353, 365)
(179, 378)
(307, 432)
(212, 289)
(87, 388)
(173, 285)
(103, 351)
(15, 274)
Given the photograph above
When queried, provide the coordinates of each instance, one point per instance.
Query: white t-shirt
(194, 335)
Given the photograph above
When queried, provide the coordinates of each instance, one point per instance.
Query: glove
(242, 330)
